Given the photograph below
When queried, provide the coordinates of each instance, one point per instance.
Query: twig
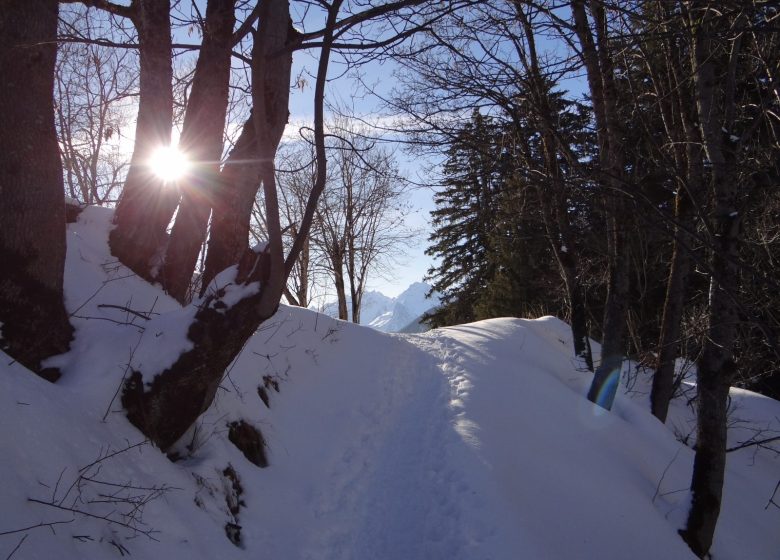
(127, 309)
(114, 454)
(663, 475)
(103, 285)
(772, 501)
(122, 550)
(23, 529)
(88, 318)
(750, 443)
(146, 532)
(281, 324)
(83, 538)
(124, 376)
(19, 544)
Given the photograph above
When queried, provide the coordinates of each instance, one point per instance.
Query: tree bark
(339, 284)
(176, 397)
(201, 141)
(33, 322)
(232, 208)
(166, 409)
(688, 191)
(674, 304)
(677, 113)
(242, 174)
(147, 204)
(602, 87)
(716, 367)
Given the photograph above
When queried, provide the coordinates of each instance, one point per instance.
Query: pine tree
(464, 218)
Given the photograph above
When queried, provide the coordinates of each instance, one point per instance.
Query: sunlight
(169, 163)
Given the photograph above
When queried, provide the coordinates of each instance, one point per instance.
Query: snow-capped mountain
(406, 310)
(388, 314)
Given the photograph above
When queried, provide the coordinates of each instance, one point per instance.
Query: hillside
(470, 442)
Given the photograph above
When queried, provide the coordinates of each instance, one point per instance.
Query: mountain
(407, 309)
(397, 314)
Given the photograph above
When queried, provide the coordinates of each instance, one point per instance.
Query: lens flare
(606, 394)
(169, 163)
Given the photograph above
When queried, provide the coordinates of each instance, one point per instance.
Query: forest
(615, 164)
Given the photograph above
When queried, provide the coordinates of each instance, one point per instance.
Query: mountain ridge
(388, 314)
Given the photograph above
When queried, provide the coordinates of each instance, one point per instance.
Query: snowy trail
(396, 493)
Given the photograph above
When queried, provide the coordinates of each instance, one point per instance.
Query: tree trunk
(302, 292)
(33, 322)
(338, 281)
(576, 300)
(677, 111)
(166, 409)
(716, 367)
(147, 204)
(564, 248)
(233, 200)
(176, 397)
(602, 87)
(256, 147)
(669, 340)
(201, 141)
(679, 272)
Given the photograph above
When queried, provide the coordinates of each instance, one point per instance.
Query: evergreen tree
(464, 218)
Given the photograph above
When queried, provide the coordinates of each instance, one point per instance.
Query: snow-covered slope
(463, 443)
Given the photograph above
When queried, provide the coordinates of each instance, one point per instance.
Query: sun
(169, 163)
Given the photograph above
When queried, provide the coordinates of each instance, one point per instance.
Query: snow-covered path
(398, 481)
(394, 492)
(470, 443)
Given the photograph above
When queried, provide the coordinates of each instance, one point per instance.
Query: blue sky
(411, 262)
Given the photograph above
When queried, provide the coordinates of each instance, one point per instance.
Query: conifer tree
(463, 220)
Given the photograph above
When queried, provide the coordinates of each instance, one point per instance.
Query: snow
(469, 442)
(388, 314)
(226, 292)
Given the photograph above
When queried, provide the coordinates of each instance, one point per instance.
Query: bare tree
(597, 58)
(167, 407)
(716, 39)
(361, 225)
(295, 176)
(93, 93)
